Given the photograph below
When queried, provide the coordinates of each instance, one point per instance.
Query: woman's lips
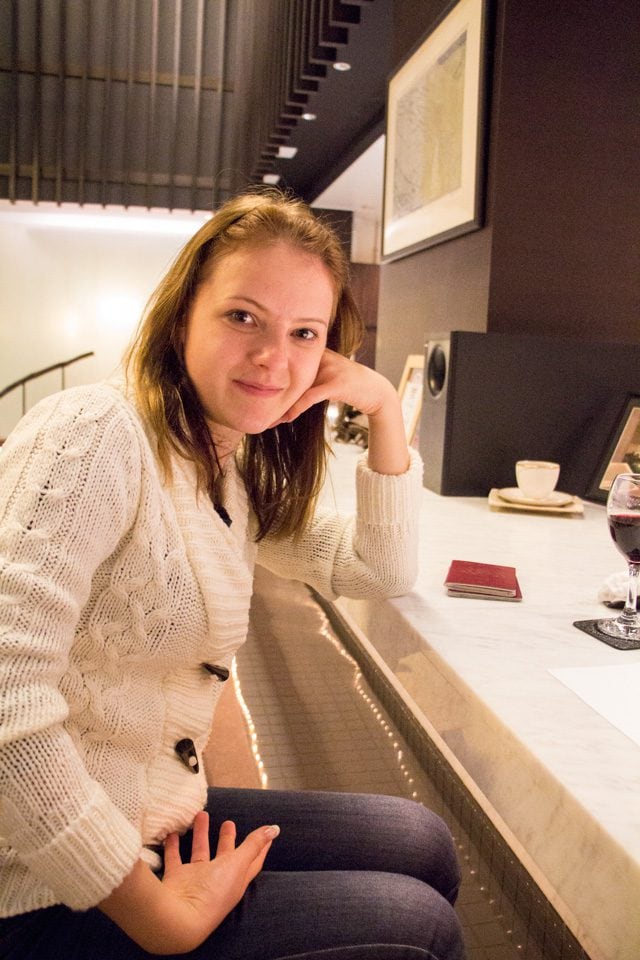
(258, 389)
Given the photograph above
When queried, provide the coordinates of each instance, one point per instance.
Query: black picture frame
(618, 456)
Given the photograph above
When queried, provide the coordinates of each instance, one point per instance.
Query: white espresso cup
(537, 479)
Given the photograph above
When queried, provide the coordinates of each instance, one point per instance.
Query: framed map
(434, 126)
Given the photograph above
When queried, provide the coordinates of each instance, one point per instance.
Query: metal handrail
(39, 373)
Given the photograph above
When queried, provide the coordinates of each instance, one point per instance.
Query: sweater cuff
(382, 498)
(85, 863)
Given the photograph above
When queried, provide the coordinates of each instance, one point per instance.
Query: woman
(130, 522)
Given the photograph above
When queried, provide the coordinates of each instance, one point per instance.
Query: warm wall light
(272, 178)
(286, 153)
(309, 116)
(118, 311)
(341, 66)
(71, 216)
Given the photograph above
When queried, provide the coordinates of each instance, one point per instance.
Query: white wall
(359, 189)
(70, 282)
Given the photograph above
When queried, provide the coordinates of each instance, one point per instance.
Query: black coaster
(589, 626)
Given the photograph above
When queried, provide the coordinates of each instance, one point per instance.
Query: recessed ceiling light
(309, 116)
(342, 66)
(272, 178)
(286, 153)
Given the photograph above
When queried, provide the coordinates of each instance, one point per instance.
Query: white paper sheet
(612, 691)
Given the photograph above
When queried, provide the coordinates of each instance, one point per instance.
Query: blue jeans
(351, 877)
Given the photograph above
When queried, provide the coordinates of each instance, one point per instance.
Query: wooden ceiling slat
(304, 83)
(276, 133)
(197, 98)
(217, 158)
(331, 34)
(84, 103)
(105, 118)
(281, 71)
(177, 39)
(296, 58)
(13, 129)
(61, 112)
(344, 14)
(316, 54)
(292, 98)
(281, 17)
(129, 100)
(151, 104)
(37, 106)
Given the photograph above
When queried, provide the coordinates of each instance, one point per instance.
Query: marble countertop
(559, 780)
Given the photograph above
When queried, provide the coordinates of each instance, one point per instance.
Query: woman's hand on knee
(213, 887)
(177, 914)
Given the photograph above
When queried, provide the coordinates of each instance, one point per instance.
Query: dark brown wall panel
(566, 195)
(441, 289)
(365, 286)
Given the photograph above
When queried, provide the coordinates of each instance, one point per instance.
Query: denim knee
(440, 847)
(359, 914)
(419, 843)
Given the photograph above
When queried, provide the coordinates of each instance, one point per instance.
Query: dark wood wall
(558, 254)
(566, 164)
(365, 287)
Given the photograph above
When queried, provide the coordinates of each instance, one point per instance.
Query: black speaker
(490, 399)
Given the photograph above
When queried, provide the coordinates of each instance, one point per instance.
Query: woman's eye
(306, 334)
(241, 317)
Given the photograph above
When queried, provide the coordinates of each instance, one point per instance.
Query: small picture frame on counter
(622, 454)
(410, 390)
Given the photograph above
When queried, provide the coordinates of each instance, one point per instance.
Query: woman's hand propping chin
(342, 380)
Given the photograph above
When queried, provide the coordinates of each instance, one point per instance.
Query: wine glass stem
(629, 612)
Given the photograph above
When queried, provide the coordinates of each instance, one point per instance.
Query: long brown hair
(283, 467)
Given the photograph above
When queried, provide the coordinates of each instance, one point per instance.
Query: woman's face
(255, 334)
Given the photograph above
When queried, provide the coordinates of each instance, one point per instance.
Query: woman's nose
(270, 351)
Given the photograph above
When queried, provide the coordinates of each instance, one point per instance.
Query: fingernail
(272, 832)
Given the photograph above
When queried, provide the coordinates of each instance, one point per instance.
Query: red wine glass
(623, 514)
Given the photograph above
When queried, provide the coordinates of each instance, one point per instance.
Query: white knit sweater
(115, 589)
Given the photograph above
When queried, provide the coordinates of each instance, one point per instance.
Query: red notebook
(486, 581)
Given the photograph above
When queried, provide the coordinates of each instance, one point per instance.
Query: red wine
(625, 530)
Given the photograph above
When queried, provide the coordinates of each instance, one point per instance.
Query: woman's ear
(179, 336)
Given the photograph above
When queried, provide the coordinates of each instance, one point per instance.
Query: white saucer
(515, 495)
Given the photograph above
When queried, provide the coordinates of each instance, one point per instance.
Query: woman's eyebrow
(261, 306)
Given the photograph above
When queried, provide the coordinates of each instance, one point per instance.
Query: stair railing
(62, 366)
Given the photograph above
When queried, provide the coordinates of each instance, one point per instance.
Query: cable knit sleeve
(373, 554)
(69, 487)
